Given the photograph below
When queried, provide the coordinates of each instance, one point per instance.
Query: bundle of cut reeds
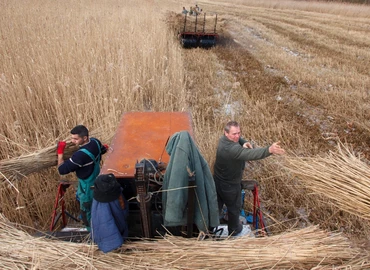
(341, 176)
(17, 168)
(309, 248)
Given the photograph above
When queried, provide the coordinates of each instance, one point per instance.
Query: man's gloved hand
(61, 146)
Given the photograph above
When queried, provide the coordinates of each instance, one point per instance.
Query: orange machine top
(142, 135)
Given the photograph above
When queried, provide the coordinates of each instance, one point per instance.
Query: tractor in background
(198, 31)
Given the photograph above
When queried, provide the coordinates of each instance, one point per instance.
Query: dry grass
(322, 58)
(71, 63)
(29, 183)
(300, 249)
(30, 202)
(340, 176)
(19, 167)
(87, 64)
(345, 9)
(293, 71)
(297, 76)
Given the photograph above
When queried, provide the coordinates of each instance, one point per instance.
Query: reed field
(290, 71)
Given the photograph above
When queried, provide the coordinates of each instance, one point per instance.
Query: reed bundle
(341, 176)
(300, 249)
(19, 167)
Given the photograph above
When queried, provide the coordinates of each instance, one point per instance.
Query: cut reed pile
(340, 176)
(300, 249)
(19, 167)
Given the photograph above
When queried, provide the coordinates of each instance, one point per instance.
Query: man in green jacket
(232, 153)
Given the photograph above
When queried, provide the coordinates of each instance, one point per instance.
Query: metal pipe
(215, 24)
(204, 22)
(185, 22)
(196, 22)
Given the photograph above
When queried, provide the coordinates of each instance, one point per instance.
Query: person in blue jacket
(109, 214)
(85, 162)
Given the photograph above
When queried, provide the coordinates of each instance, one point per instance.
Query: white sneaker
(245, 232)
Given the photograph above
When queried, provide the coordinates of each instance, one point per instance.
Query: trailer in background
(199, 32)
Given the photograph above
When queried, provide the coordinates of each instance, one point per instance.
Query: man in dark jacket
(232, 153)
(86, 163)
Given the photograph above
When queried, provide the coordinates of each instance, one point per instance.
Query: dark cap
(106, 188)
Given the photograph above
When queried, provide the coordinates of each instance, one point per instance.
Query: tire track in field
(340, 57)
(360, 24)
(321, 28)
(263, 86)
(303, 107)
(341, 22)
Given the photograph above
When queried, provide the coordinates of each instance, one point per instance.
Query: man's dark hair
(80, 130)
(231, 124)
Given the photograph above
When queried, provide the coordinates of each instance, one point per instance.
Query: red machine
(138, 160)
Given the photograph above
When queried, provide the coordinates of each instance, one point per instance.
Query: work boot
(237, 231)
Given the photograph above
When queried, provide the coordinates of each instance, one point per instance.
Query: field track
(316, 64)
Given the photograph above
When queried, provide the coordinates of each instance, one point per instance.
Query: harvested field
(289, 71)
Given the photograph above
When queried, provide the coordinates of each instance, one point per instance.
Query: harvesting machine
(198, 31)
(139, 160)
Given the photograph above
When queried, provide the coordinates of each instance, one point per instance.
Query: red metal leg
(59, 199)
(257, 214)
